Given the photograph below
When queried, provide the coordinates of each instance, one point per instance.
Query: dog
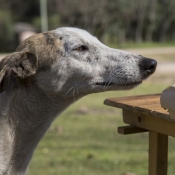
(47, 73)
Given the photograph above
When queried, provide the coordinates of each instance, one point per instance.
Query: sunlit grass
(84, 140)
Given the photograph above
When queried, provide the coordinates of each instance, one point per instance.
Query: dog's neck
(25, 115)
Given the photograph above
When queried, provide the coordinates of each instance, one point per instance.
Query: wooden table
(144, 114)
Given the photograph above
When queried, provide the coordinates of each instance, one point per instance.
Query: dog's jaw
(110, 86)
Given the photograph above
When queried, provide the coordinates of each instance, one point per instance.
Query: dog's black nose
(148, 65)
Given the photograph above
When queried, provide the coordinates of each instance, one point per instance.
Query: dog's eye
(81, 48)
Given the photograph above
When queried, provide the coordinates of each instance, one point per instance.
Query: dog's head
(68, 61)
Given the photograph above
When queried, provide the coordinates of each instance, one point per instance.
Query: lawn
(84, 140)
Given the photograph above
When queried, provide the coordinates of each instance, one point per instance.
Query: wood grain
(145, 104)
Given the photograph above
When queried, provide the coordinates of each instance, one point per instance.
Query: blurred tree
(6, 31)
(110, 20)
(23, 11)
(166, 16)
(141, 8)
(84, 14)
(121, 15)
(151, 18)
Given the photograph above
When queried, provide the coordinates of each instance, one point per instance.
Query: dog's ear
(15, 67)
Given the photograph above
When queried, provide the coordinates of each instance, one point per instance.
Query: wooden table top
(145, 104)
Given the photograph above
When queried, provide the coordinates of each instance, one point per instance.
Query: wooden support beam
(130, 130)
(158, 153)
(148, 122)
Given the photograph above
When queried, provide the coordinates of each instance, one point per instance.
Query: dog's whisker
(109, 83)
(74, 93)
(68, 91)
(77, 91)
(126, 82)
(109, 78)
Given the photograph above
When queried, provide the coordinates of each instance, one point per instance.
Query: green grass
(84, 140)
(143, 45)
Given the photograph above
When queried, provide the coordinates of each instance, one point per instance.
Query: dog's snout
(148, 65)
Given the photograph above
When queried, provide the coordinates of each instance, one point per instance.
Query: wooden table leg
(158, 153)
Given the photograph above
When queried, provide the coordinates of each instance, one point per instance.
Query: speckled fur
(47, 73)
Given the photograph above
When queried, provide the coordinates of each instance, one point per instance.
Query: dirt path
(166, 67)
(154, 51)
(165, 73)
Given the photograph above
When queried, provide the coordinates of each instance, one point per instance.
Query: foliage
(6, 30)
(112, 21)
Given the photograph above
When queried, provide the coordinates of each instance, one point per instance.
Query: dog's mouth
(104, 84)
(108, 84)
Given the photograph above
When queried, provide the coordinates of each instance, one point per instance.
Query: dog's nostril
(152, 66)
(148, 65)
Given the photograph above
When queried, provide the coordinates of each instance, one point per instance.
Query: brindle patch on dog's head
(44, 46)
(50, 39)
